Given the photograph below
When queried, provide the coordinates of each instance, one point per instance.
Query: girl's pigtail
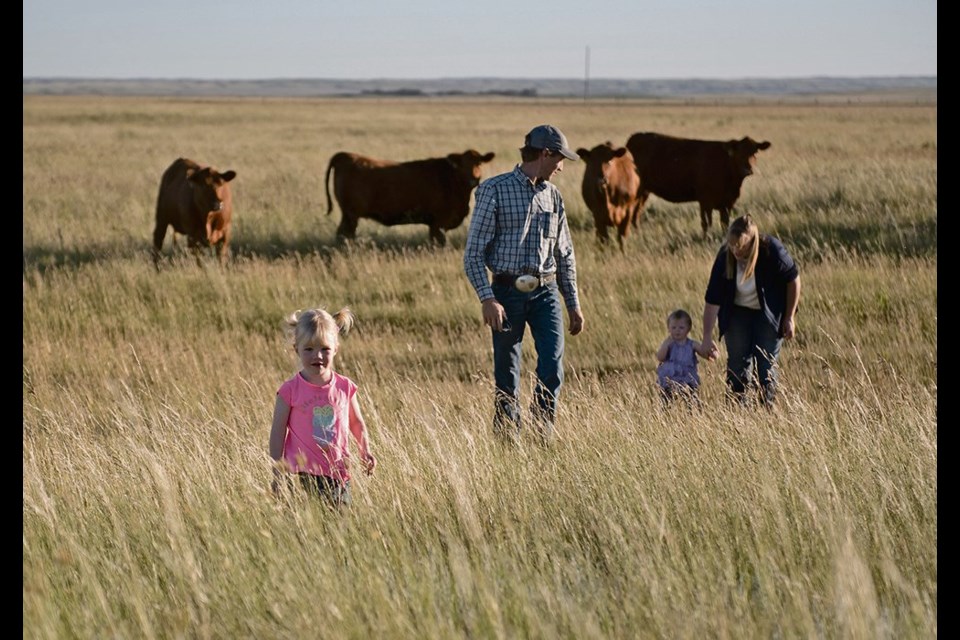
(344, 319)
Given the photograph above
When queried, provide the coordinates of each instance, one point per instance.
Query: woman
(753, 294)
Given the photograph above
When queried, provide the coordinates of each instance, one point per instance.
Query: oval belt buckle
(526, 283)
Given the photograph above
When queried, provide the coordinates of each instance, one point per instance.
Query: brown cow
(709, 172)
(610, 189)
(434, 191)
(196, 201)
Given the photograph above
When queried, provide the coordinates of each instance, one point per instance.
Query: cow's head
(743, 154)
(467, 165)
(602, 153)
(209, 189)
(598, 160)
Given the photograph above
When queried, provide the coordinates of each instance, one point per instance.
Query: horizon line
(479, 77)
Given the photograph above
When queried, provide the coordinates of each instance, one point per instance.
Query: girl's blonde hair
(743, 225)
(318, 324)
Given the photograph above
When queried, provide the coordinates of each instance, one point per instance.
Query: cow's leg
(725, 218)
(706, 219)
(159, 233)
(641, 201)
(437, 235)
(223, 247)
(603, 238)
(348, 226)
(195, 248)
(634, 215)
(623, 229)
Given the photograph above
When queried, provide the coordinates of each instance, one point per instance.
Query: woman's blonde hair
(318, 324)
(743, 225)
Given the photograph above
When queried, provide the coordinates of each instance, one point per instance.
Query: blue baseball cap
(549, 137)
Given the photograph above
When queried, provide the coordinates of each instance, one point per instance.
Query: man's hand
(576, 321)
(493, 314)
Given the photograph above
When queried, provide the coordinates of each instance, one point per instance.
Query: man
(519, 232)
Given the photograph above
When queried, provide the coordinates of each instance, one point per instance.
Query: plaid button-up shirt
(520, 227)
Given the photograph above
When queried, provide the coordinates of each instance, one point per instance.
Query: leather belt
(523, 282)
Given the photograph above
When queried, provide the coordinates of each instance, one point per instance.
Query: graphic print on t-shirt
(323, 431)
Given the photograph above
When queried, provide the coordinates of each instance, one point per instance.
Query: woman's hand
(709, 350)
(789, 327)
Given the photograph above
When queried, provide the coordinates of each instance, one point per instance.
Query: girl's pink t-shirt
(316, 440)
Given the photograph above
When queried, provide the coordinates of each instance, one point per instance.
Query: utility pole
(586, 75)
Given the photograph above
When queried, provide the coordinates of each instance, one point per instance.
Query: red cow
(434, 191)
(610, 188)
(709, 172)
(196, 201)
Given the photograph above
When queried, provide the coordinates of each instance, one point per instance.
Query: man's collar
(522, 175)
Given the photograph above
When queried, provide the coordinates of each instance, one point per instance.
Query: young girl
(677, 355)
(315, 408)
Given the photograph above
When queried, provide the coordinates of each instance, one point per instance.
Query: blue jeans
(542, 310)
(753, 345)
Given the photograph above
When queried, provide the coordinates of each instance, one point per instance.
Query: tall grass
(147, 396)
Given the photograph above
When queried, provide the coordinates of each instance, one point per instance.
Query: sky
(433, 39)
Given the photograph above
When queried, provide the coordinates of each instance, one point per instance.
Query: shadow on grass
(811, 242)
(271, 249)
(46, 257)
(817, 240)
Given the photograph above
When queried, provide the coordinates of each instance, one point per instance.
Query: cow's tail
(334, 161)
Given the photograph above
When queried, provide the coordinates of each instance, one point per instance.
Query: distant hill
(519, 87)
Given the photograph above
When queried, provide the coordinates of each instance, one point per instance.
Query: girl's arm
(359, 430)
(664, 350)
(278, 431)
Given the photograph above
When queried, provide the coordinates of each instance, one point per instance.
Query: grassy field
(147, 396)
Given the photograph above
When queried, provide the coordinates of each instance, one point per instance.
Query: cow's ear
(198, 176)
(619, 153)
(764, 145)
(583, 153)
(229, 175)
(490, 156)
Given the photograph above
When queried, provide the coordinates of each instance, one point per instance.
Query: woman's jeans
(753, 345)
(542, 310)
